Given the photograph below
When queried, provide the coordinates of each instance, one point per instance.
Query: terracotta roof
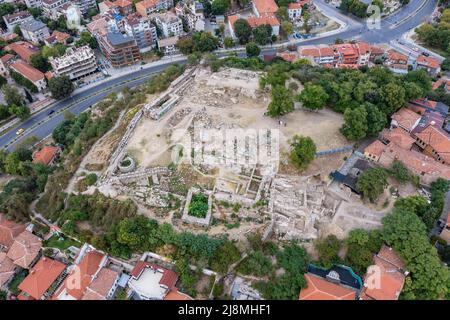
(376, 50)
(24, 49)
(29, 72)
(266, 19)
(321, 289)
(169, 278)
(45, 155)
(123, 3)
(309, 52)
(8, 231)
(7, 268)
(288, 56)
(398, 136)
(397, 56)
(147, 3)
(406, 118)
(41, 277)
(101, 285)
(428, 61)
(363, 47)
(437, 140)
(346, 49)
(346, 66)
(425, 103)
(6, 58)
(265, 6)
(390, 278)
(326, 51)
(9, 36)
(295, 5)
(87, 267)
(25, 249)
(60, 36)
(414, 161)
(376, 148)
(177, 295)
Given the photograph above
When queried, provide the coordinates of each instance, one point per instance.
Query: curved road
(392, 27)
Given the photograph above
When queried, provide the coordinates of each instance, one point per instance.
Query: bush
(198, 206)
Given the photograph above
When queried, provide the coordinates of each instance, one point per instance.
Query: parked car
(20, 131)
(426, 54)
(51, 112)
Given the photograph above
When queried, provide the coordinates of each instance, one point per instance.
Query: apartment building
(34, 31)
(53, 9)
(321, 55)
(120, 50)
(143, 31)
(12, 20)
(255, 21)
(147, 7)
(168, 45)
(169, 23)
(75, 63)
(431, 65)
(193, 12)
(33, 3)
(85, 5)
(124, 7)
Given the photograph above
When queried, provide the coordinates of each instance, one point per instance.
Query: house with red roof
(25, 250)
(46, 155)
(318, 288)
(320, 54)
(430, 64)
(89, 278)
(398, 136)
(255, 21)
(23, 49)
(5, 61)
(264, 7)
(43, 276)
(9, 231)
(396, 61)
(146, 7)
(405, 119)
(29, 72)
(434, 143)
(149, 281)
(421, 105)
(385, 279)
(7, 269)
(294, 9)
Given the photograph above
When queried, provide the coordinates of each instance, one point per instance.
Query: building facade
(120, 50)
(34, 31)
(75, 63)
(170, 24)
(143, 31)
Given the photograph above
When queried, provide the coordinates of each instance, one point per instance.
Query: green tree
(20, 111)
(185, 45)
(355, 123)
(328, 251)
(38, 61)
(262, 34)
(204, 42)
(228, 42)
(376, 120)
(87, 39)
(252, 49)
(400, 172)
(282, 102)
(242, 30)
(361, 246)
(12, 96)
(371, 183)
(303, 151)
(219, 7)
(287, 27)
(60, 87)
(12, 163)
(313, 97)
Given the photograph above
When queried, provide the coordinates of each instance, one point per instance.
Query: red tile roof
(60, 36)
(428, 61)
(123, 3)
(266, 19)
(436, 140)
(45, 155)
(321, 289)
(396, 56)
(177, 295)
(84, 272)
(426, 103)
(41, 277)
(265, 6)
(24, 49)
(7, 268)
(25, 249)
(398, 136)
(7, 57)
(406, 118)
(376, 148)
(288, 56)
(147, 3)
(9, 230)
(101, 285)
(387, 279)
(29, 72)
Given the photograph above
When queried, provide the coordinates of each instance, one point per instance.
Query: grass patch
(198, 206)
(61, 243)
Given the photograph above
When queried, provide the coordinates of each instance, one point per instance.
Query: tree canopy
(303, 151)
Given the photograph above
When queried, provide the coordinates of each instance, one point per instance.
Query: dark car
(51, 112)
(426, 54)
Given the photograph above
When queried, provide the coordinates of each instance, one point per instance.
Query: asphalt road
(41, 124)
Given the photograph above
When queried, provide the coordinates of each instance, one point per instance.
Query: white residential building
(294, 11)
(142, 30)
(33, 3)
(34, 31)
(53, 9)
(75, 63)
(170, 24)
(147, 7)
(193, 12)
(168, 45)
(12, 20)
